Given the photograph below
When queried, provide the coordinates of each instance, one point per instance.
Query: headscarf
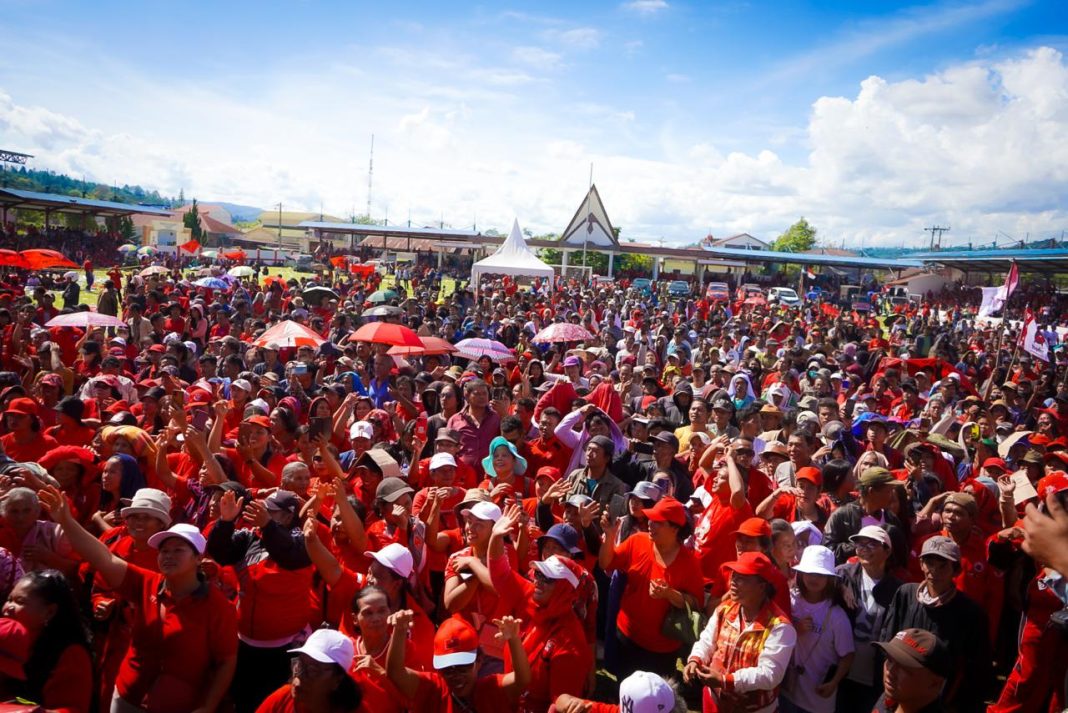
(142, 443)
(606, 398)
(132, 479)
(389, 433)
(749, 396)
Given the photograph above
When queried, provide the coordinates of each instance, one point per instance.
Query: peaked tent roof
(513, 257)
(591, 225)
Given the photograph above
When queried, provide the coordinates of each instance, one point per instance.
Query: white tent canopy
(513, 257)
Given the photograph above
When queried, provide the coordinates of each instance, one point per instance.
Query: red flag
(1034, 343)
(190, 246)
(1012, 280)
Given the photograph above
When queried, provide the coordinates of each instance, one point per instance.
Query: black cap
(605, 444)
(72, 407)
(667, 437)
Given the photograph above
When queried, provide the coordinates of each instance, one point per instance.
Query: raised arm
(350, 521)
(111, 568)
(403, 678)
(325, 563)
(517, 680)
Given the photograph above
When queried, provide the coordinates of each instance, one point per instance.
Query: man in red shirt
(547, 449)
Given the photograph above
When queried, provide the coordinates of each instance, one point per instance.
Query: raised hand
(609, 526)
(230, 506)
(56, 503)
(310, 530)
(256, 513)
(401, 621)
(588, 512)
(507, 628)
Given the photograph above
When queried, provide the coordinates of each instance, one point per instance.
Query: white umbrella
(241, 271)
(72, 275)
(154, 270)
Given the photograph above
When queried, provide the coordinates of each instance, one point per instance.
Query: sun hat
(391, 489)
(565, 536)
(558, 569)
(644, 692)
(487, 462)
(775, 448)
(455, 644)
(187, 532)
(667, 509)
(361, 429)
(440, 460)
(395, 557)
(873, 532)
(149, 501)
(816, 559)
(919, 648)
(329, 646)
(483, 511)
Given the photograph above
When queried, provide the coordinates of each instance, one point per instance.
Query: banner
(994, 298)
(1034, 342)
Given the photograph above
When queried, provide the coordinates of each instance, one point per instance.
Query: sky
(872, 120)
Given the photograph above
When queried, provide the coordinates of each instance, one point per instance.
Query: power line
(936, 235)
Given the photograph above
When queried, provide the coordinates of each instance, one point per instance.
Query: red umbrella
(85, 319)
(387, 333)
(40, 259)
(10, 258)
(431, 346)
(290, 334)
(563, 332)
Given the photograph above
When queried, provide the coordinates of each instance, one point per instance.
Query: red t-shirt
(31, 451)
(714, 535)
(275, 464)
(281, 701)
(175, 646)
(640, 616)
(489, 696)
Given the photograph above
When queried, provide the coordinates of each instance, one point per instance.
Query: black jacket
(847, 520)
(883, 592)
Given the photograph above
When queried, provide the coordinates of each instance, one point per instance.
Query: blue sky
(871, 119)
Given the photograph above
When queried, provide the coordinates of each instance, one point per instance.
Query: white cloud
(981, 146)
(646, 7)
(537, 57)
(577, 38)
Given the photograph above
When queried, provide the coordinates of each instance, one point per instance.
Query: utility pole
(370, 175)
(589, 217)
(936, 235)
(279, 225)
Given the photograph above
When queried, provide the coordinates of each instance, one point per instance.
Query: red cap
(1055, 482)
(117, 407)
(258, 421)
(57, 380)
(995, 463)
(811, 474)
(75, 454)
(1062, 456)
(753, 563)
(1039, 439)
(455, 644)
(158, 349)
(548, 471)
(754, 527)
(667, 509)
(23, 406)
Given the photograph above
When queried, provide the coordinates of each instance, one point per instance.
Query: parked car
(679, 288)
(784, 296)
(643, 284)
(750, 290)
(718, 292)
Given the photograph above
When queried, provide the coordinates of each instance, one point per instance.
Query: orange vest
(738, 648)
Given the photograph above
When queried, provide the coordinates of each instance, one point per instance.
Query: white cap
(439, 460)
(396, 558)
(483, 511)
(873, 532)
(644, 692)
(816, 559)
(242, 384)
(329, 646)
(361, 429)
(189, 533)
(815, 537)
(553, 568)
(118, 340)
(172, 338)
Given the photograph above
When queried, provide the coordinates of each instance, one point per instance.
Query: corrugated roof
(869, 263)
(381, 230)
(71, 204)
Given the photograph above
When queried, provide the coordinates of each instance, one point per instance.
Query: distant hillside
(240, 213)
(28, 179)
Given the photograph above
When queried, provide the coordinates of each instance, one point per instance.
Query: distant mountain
(240, 213)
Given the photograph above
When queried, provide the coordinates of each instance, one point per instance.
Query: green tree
(191, 220)
(126, 228)
(798, 238)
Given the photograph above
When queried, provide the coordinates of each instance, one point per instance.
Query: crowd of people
(687, 505)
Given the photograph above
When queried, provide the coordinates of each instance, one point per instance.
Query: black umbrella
(315, 295)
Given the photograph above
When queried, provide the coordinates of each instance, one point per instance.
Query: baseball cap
(774, 448)
(455, 644)
(395, 557)
(754, 527)
(483, 511)
(447, 434)
(439, 460)
(328, 646)
(646, 490)
(644, 692)
(189, 533)
(873, 532)
(282, 501)
(22, 406)
(261, 421)
(996, 463)
(572, 361)
(578, 500)
(754, 563)
(811, 474)
(548, 471)
(564, 535)
(964, 500)
(1055, 482)
(941, 546)
(668, 438)
(361, 429)
(876, 475)
(558, 569)
(667, 509)
(242, 384)
(390, 489)
(919, 648)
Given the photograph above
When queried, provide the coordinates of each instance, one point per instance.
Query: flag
(190, 246)
(809, 274)
(1034, 343)
(994, 298)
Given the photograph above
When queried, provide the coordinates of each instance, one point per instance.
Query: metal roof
(59, 203)
(383, 230)
(869, 263)
(1046, 260)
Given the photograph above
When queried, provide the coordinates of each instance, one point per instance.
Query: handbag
(684, 624)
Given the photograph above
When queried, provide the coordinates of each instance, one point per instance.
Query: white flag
(1034, 343)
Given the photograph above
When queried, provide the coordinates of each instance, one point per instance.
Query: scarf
(930, 600)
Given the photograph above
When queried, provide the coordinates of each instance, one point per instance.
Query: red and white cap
(455, 644)
(644, 692)
(396, 558)
(328, 646)
(554, 568)
(361, 429)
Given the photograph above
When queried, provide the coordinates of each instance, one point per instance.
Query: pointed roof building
(590, 226)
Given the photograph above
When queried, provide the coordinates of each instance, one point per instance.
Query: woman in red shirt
(183, 648)
(24, 441)
(661, 573)
(320, 682)
(59, 671)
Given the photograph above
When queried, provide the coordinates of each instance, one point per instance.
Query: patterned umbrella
(213, 283)
(431, 346)
(290, 334)
(382, 296)
(154, 270)
(475, 348)
(562, 332)
(127, 248)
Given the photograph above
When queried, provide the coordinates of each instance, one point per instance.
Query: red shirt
(281, 701)
(176, 645)
(69, 688)
(549, 451)
(275, 463)
(714, 535)
(31, 451)
(640, 616)
(65, 435)
(489, 696)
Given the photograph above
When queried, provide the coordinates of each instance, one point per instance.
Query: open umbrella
(431, 346)
(238, 254)
(10, 258)
(316, 294)
(127, 248)
(383, 311)
(71, 275)
(562, 332)
(475, 348)
(209, 253)
(85, 319)
(41, 259)
(146, 250)
(382, 296)
(241, 271)
(271, 279)
(290, 334)
(154, 270)
(387, 333)
(213, 283)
